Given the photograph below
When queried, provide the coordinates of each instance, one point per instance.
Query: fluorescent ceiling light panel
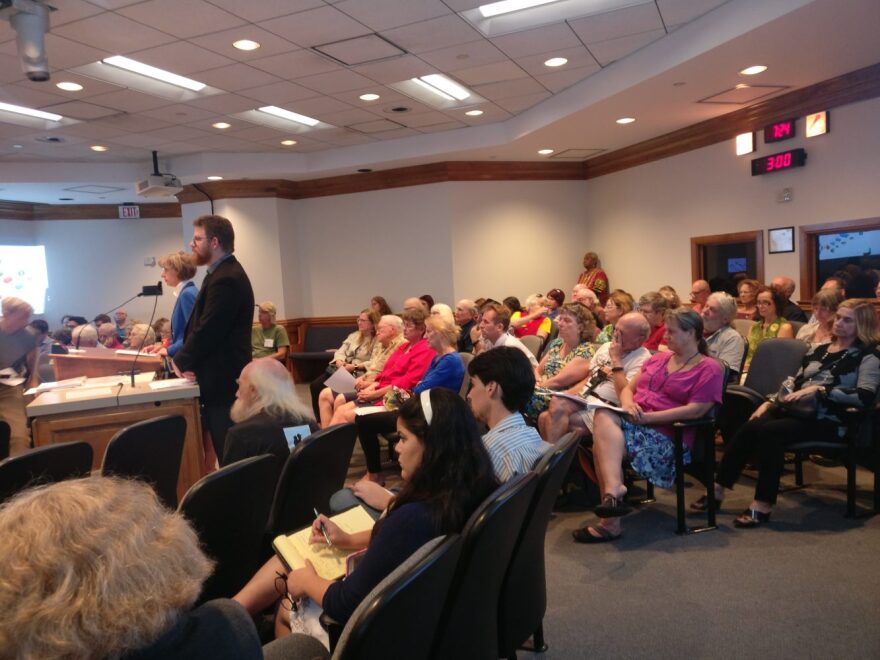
(507, 6)
(443, 86)
(153, 72)
(287, 114)
(30, 112)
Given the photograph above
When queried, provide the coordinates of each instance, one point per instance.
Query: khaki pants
(13, 413)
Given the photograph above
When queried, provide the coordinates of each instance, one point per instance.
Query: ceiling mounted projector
(158, 184)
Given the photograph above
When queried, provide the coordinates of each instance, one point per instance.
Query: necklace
(668, 372)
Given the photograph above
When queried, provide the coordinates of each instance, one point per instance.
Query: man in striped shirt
(502, 382)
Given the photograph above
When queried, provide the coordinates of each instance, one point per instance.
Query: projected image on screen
(853, 256)
(23, 274)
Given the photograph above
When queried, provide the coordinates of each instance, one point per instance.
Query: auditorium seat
(43, 465)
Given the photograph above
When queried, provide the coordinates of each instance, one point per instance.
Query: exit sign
(781, 130)
(130, 211)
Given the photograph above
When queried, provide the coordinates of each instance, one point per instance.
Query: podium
(94, 362)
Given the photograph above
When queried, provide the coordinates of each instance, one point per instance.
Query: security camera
(30, 20)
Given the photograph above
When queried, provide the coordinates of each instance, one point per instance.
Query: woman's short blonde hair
(867, 327)
(94, 568)
(142, 330)
(444, 311)
(181, 263)
(583, 317)
(449, 331)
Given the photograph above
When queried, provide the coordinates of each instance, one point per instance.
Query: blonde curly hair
(93, 568)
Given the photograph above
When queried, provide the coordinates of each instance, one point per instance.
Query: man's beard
(240, 412)
(200, 259)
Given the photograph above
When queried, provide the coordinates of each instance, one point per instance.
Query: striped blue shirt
(513, 446)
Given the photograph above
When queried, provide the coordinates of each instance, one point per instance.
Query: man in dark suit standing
(217, 342)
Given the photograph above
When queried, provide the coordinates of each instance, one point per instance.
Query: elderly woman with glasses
(769, 324)
(681, 383)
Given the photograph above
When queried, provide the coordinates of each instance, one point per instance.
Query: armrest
(745, 393)
(689, 423)
(333, 628)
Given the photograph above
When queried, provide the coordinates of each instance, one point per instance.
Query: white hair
(444, 311)
(394, 321)
(726, 303)
(274, 392)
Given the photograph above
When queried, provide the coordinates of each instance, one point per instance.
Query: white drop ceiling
(651, 59)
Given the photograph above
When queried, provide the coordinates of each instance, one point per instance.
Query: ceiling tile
(182, 133)
(316, 26)
(91, 86)
(491, 112)
(517, 104)
(489, 73)
(182, 18)
(230, 103)
(129, 101)
(577, 57)
(265, 9)
(81, 110)
(179, 113)
(348, 117)
(296, 64)
(434, 34)
(334, 81)
(179, 148)
(396, 134)
(349, 138)
(537, 40)
(136, 140)
(676, 12)
(386, 14)
(259, 133)
(93, 130)
(68, 54)
(472, 54)
(220, 142)
(132, 123)
(181, 57)
(276, 94)
(618, 23)
(508, 89)
(360, 50)
(400, 68)
(608, 51)
(10, 69)
(30, 95)
(423, 119)
(221, 42)
(559, 80)
(438, 128)
(376, 126)
(464, 5)
(317, 107)
(236, 77)
(114, 33)
(113, 4)
(71, 10)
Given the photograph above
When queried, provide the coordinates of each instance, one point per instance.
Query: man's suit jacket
(217, 343)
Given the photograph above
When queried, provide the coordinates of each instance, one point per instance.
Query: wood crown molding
(30, 211)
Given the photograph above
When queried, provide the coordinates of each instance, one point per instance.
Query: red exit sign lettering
(782, 130)
(129, 211)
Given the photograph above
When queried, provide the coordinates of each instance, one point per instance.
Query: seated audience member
(108, 338)
(839, 375)
(352, 356)
(836, 283)
(84, 336)
(265, 404)
(513, 304)
(654, 306)
(584, 295)
(445, 371)
(724, 343)
(612, 368)
(554, 299)
(493, 330)
(681, 383)
(100, 319)
(790, 310)
(534, 320)
(41, 329)
(769, 324)
(98, 568)
(594, 278)
(820, 328)
(699, 294)
(18, 357)
(268, 339)
(380, 306)
(444, 311)
(673, 301)
(427, 301)
(412, 304)
(162, 328)
(747, 293)
(140, 335)
(403, 370)
(71, 322)
(567, 358)
(619, 303)
(446, 475)
(466, 313)
(178, 270)
(389, 335)
(123, 324)
(62, 336)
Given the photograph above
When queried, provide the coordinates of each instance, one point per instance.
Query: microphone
(154, 291)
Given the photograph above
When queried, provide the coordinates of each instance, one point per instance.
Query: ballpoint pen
(323, 528)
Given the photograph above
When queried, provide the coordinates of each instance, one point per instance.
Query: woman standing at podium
(177, 272)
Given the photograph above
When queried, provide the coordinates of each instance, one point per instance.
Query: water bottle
(788, 385)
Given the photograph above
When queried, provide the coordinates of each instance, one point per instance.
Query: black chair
(399, 617)
(5, 435)
(42, 465)
(469, 625)
(523, 600)
(229, 509)
(316, 469)
(150, 450)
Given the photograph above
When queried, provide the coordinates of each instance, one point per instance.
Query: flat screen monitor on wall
(855, 255)
(23, 274)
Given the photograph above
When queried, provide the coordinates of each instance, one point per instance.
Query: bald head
(782, 284)
(631, 331)
(700, 292)
(465, 311)
(411, 304)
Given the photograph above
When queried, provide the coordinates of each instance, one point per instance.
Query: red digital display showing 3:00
(782, 161)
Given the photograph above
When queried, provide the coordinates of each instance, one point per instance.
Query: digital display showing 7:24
(784, 160)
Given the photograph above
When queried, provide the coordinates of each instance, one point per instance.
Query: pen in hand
(323, 528)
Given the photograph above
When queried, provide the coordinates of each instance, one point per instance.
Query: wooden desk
(101, 362)
(59, 417)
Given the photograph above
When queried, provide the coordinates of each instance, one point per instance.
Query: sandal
(750, 518)
(613, 507)
(602, 535)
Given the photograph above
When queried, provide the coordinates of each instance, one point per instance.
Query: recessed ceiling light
(288, 115)
(507, 6)
(153, 72)
(69, 86)
(752, 70)
(246, 44)
(98, 147)
(368, 97)
(474, 113)
(221, 125)
(556, 61)
(625, 120)
(741, 86)
(18, 146)
(545, 152)
(443, 86)
(288, 143)
(215, 178)
(30, 112)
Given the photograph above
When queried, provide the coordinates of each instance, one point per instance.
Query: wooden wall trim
(807, 243)
(697, 242)
(30, 211)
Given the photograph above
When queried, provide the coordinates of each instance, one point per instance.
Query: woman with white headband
(446, 475)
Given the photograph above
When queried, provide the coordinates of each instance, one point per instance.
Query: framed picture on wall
(781, 240)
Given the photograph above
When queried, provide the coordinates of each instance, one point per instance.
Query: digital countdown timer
(784, 160)
(781, 130)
